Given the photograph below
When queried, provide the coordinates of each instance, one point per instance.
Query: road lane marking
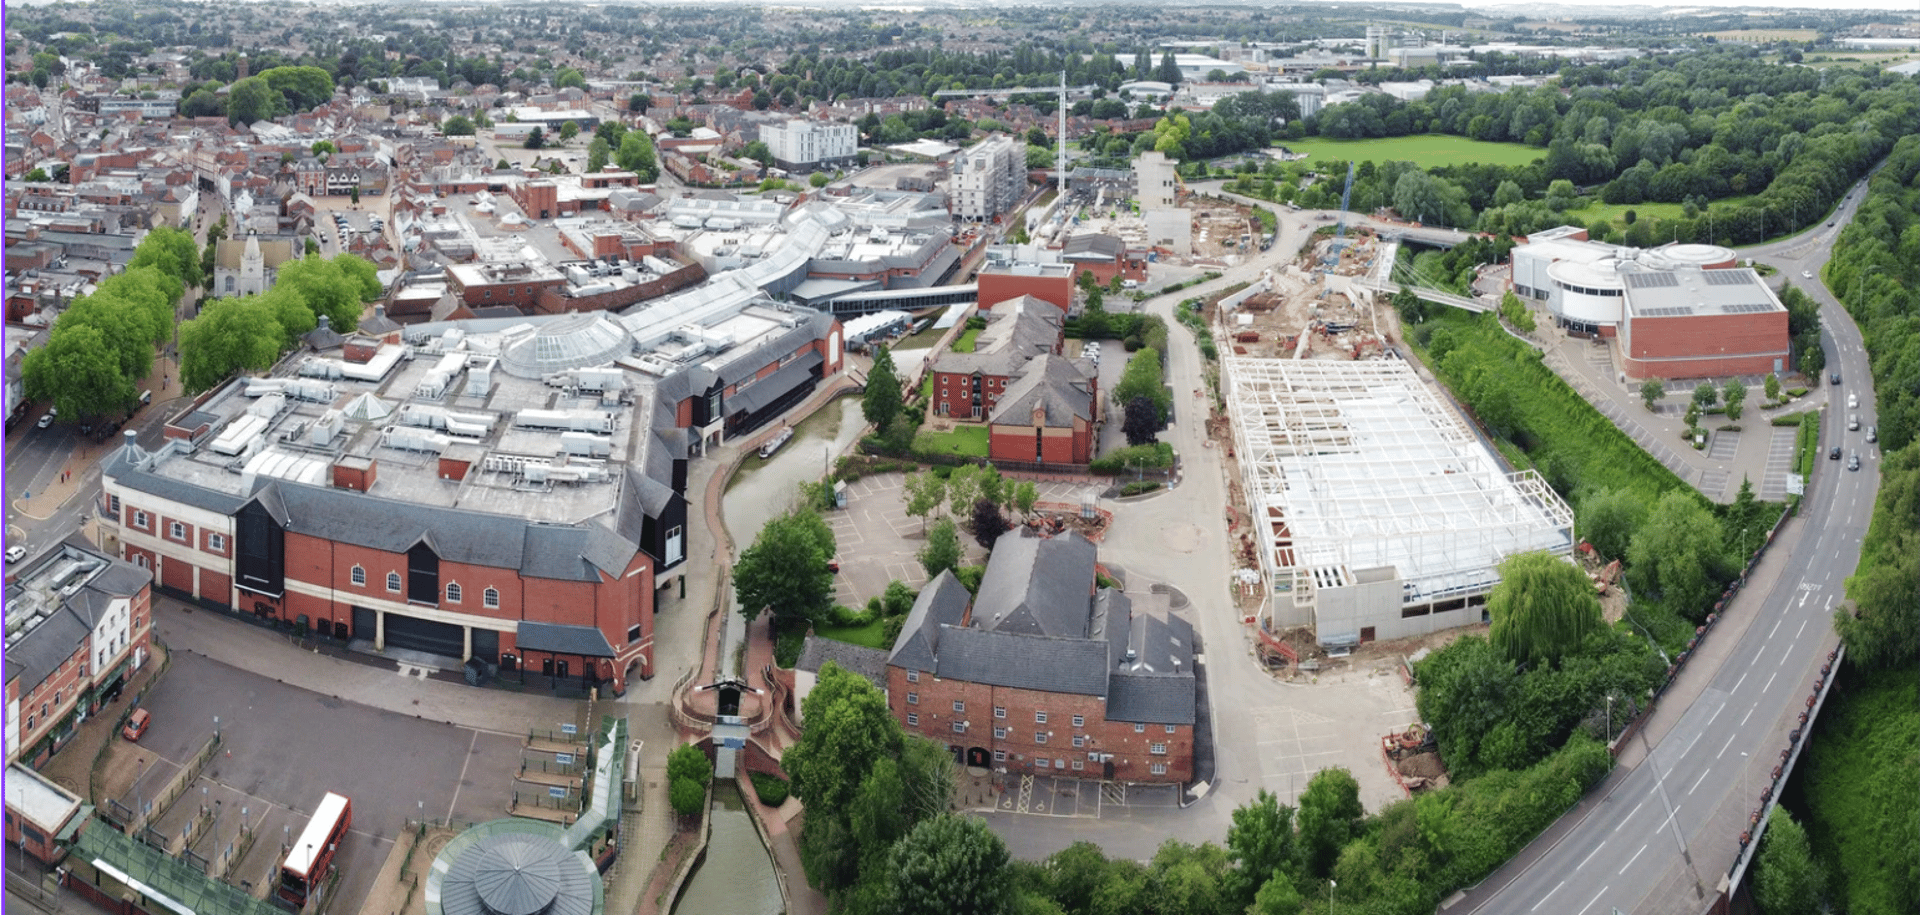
(1543, 899)
(1636, 855)
(1723, 748)
(1697, 781)
(1636, 809)
(1743, 721)
(1589, 857)
(1797, 635)
(1590, 902)
(1716, 714)
(1776, 628)
(1736, 683)
(1763, 689)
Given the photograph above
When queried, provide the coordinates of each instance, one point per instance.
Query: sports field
(1427, 149)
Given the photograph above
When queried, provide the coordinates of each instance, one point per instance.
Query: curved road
(1661, 833)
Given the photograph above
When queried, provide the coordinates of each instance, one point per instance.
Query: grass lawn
(868, 635)
(926, 388)
(965, 440)
(1616, 212)
(1430, 150)
(964, 342)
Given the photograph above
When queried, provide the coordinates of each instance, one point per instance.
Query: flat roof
(1693, 292)
(37, 799)
(300, 859)
(1358, 465)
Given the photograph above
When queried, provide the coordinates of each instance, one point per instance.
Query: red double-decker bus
(308, 859)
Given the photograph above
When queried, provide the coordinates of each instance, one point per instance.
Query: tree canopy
(635, 154)
(950, 864)
(1542, 608)
(785, 570)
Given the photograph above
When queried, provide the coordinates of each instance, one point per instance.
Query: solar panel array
(1666, 312)
(1728, 277)
(1652, 280)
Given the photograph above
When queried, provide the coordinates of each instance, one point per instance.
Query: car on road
(1873, 435)
(1834, 455)
(16, 553)
(1835, 377)
(137, 724)
(46, 419)
(1853, 400)
(1808, 274)
(1830, 225)
(1853, 461)
(1853, 422)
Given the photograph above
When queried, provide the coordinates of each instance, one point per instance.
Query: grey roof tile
(1057, 665)
(817, 650)
(561, 638)
(1037, 586)
(1053, 384)
(769, 389)
(943, 602)
(1151, 699)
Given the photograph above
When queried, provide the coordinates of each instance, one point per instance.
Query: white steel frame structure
(1353, 467)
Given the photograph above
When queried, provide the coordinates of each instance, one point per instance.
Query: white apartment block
(801, 145)
(987, 178)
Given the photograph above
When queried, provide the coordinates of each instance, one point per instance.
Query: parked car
(16, 553)
(136, 724)
(46, 419)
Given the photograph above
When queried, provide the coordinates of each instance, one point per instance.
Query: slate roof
(771, 388)
(560, 638)
(943, 602)
(42, 651)
(1151, 700)
(1051, 383)
(1037, 586)
(1055, 665)
(1017, 330)
(816, 651)
(1093, 246)
(1157, 685)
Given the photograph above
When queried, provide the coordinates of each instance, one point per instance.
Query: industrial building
(1377, 512)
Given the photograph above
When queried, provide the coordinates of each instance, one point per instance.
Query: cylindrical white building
(1587, 297)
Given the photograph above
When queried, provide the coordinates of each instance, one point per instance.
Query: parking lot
(282, 749)
(878, 540)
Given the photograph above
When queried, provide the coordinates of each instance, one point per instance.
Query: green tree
(950, 864)
(942, 551)
(38, 174)
(1330, 813)
(298, 88)
(818, 180)
(536, 139)
(1142, 378)
(1883, 628)
(636, 155)
(988, 523)
(881, 401)
(1787, 879)
(569, 79)
(1608, 519)
(1142, 423)
(598, 154)
(1542, 608)
(1675, 554)
(1188, 878)
(324, 289)
(1651, 390)
(758, 152)
(849, 728)
(569, 130)
(1261, 843)
(458, 125)
(1771, 388)
(688, 762)
(1277, 896)
(686, 797)
(638, 103)
(1025, 495)
(925, 492)
(785, 570)
(78, 371)
(360, 274)
(249, 100)
(1735, 395)
(1705, 395)
(229, 335)
(174, 253)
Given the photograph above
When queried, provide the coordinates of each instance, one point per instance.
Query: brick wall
(953, 394)
(1004, 725)
(1703, 346)
(1000, 287)
(1057, 445)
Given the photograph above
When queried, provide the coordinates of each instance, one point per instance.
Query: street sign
(556, 791)
(569, 729)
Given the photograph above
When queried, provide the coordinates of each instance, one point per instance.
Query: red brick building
(1046, 415)
(1045, 672)
(1702, 324)
(969, 385)
(1046, 282)
(79, 623)
(1105, 257)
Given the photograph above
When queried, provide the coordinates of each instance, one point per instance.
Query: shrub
(1136, 488)
(1156, 456)
(970, 577)
(687, 796)
(1791, 419)
(771, 788)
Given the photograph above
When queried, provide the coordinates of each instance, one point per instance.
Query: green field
(1430, 150)
(1616, 212)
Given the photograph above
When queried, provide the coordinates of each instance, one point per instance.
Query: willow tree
(1542, 608)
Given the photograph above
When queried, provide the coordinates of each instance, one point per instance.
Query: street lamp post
(1609, 719)
(1330, 885)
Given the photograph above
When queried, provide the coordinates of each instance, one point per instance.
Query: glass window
(959, 727)
(999, 756)
(1158, 768)
(1079, 721)
(491, 598)
(913, 676)
(358, 576)
(217, 542)
(999, 711)
(959, 706)
(1039, 717)
(1139, 729)
(1158, 749)
(1039, 736)
(1172, 728)
(1079, 741)
(999, 733)
(393, 582)
(913, 698)
(913, 719)
(176, 530)
(453, 593)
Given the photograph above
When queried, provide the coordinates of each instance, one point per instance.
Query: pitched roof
(1037, 586)
(816, 651)
(943, 602)
(1151, 700)
(1092, 246)
(1052, 384)
(1153, 682)
(1014, 660)
(1017, 330)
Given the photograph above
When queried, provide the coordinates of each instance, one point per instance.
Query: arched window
(491, 597)
(359, 576)
(453, 592)
(393, 582)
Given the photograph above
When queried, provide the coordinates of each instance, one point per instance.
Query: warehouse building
(1377, 513)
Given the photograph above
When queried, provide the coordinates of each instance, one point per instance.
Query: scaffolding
(1356, 473)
